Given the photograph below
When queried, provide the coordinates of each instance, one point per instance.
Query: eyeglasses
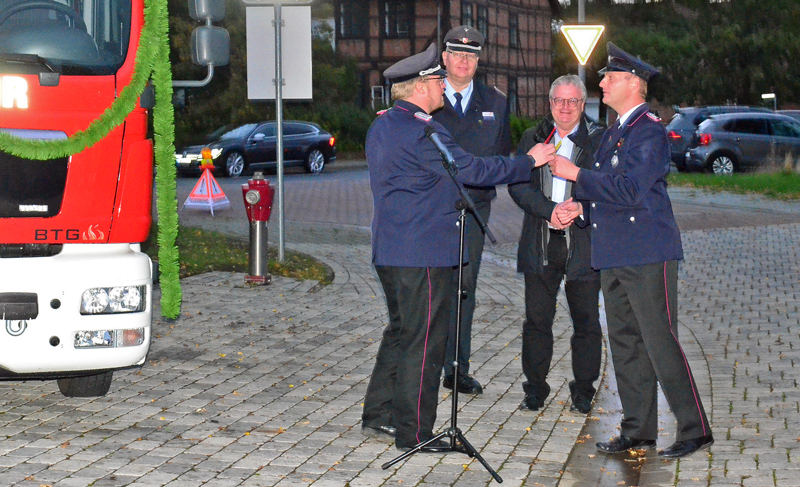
(572, 102)
(469, 56)
(437, 79)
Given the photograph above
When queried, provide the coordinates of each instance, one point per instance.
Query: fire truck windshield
(72, 37)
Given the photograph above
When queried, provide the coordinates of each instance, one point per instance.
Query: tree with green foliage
(709, 53)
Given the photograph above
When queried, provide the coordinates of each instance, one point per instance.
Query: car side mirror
(259, 137)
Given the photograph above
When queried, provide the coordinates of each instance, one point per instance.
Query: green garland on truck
(152, 61)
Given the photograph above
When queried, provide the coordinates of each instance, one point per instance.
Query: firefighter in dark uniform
(415, 244)
(477, 117)
(636, 245)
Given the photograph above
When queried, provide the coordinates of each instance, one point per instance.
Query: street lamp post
(771, 96)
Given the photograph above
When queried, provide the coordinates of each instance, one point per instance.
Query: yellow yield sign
(582, 39)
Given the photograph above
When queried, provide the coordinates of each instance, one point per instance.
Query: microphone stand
(458, 442)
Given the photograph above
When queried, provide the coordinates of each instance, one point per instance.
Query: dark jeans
(403, 390)
(474, 240)
(541, 291)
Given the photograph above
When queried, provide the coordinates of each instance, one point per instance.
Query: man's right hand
(565, 213)
(542, 154)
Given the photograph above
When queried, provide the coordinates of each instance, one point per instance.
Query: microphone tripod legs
(458, 443)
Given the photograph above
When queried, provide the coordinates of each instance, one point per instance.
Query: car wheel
(234, 165)
(315, 162)
(722, 164)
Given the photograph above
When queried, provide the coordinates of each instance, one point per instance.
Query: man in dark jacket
(553, 247)
(477, 117)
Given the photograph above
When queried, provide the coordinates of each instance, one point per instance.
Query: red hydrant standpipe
(258, 196)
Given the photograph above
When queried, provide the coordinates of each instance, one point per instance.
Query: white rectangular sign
(295, 58)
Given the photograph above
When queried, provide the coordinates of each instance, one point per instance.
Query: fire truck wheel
(87, 385)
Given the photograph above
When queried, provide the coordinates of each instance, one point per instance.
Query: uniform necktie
(457, 105)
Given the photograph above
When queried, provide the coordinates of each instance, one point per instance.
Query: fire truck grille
(15, 251)
(31, 188)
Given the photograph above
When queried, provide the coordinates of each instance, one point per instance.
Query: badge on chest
(615, 157)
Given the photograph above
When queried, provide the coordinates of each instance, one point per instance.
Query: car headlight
(215, 153)
(118, 299)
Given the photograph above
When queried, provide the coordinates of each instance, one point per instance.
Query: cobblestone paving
(264, 386)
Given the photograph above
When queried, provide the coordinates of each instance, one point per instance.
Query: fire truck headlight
(119, 299)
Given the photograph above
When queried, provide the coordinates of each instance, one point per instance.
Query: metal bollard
(258, 197)
(258, 267)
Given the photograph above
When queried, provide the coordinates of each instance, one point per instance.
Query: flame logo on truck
(91, 235)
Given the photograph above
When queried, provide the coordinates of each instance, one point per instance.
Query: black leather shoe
(687, 447)
(623, 443)
(380, 432)
(581, 404)
(439, 446)
(466, 384)
(531, 403)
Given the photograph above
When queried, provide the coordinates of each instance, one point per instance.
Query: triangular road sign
(582, 39)
(207, 195)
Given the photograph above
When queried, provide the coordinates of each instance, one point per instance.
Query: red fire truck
(75, 291)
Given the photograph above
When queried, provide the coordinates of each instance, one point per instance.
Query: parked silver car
(735, 142)
(684, 124)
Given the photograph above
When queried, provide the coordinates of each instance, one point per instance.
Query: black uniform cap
(464, 38)
(421, 64)
(619, 60)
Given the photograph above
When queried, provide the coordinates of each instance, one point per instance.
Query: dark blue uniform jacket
(630, 211)
(484, 130)
(414, 222)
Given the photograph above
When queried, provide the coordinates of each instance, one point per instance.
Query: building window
(512, 96)
(513, 30)
(466, 14)
(352, 19)
(397, 18)
(483, 20)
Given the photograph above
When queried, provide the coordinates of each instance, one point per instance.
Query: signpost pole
(581, 20)
(279, 131)
(278, 23)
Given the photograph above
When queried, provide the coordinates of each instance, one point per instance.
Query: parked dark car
(235, 148)
(684, 124)
(795, 114)
(734, 142)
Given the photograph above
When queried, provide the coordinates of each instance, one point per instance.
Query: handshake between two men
(565, 212)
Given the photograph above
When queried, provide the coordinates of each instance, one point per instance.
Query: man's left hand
(566, 212)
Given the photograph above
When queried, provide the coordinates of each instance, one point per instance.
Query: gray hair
(404, 89)
(568, 79)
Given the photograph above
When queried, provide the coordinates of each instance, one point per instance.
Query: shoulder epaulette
(381, 112)
(500, 92)
(632, 122)
(652, 116)
(423, 116)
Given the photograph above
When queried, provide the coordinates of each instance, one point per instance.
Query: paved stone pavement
(263, 386)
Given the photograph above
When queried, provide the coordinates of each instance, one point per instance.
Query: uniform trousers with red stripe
(641, 310)
(403, 390)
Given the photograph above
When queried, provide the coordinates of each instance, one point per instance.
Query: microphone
(447, 157)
